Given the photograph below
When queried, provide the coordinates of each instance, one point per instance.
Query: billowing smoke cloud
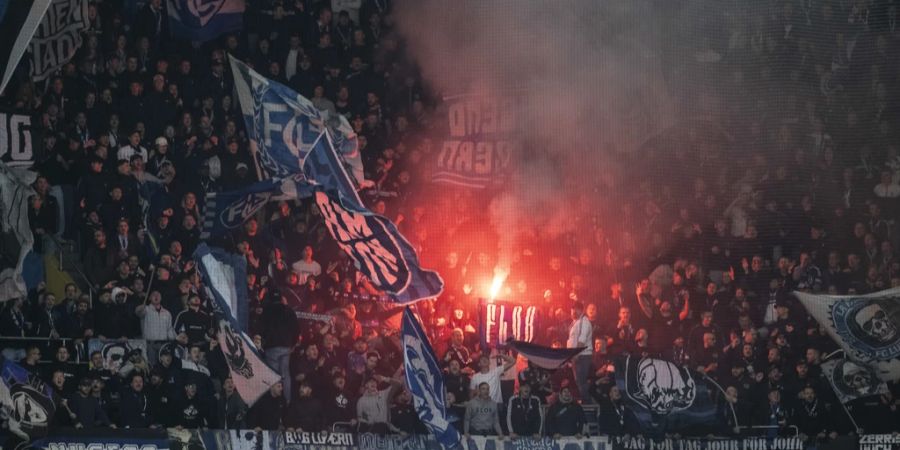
(595, 90)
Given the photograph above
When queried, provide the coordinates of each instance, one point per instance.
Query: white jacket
(155, 325)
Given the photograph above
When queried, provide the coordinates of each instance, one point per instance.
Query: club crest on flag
(204, 10)
(852, 380)
(241, 210)
(659, 385)
(234, 352)
(866, 326)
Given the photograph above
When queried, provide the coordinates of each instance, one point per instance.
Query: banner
(27, 404)
(103, 438)
(867, 327)
(425, 381)
(665, 397)
(481, 140)
(17, 139)
(116, 353)
(500, 321)
(58, 37)
(18, 21)
(851, 381)
(204, 20)
(545, 357)
(879, 442)
(225, 275)
(16, 238)
(749, 443)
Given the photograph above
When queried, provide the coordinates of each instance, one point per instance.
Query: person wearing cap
(88, 411)
(581, 335)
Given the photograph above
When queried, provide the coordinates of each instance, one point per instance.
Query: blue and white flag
(426, 381)
(284, 127)
(15, 231)
(225, 276)
(204, 20)
(545, 357)
(226, 211)
(867, 327)
(665, 397)
(289, 136)
(377, 248)
(27, 404)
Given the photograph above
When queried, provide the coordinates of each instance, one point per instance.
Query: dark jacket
(88, 411)
(282, 328)
(566, 419)
(266, 413)
(134, 409)
(304, 413)
(524, 415)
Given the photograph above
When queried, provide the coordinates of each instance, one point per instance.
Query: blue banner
(226, 211)
(204, 20)
(425, 381)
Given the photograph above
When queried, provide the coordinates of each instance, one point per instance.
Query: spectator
(615, 418)
(581, 335)
(280, 336)
(373, 407)
(135, 405)
(87, 409)
(192, 325)
(565, 417)
(156, 321)
(524, 414)
(490, 376)
(404, 417)
(483, 414)
(268, 411)
(231, 408)
(305, 411)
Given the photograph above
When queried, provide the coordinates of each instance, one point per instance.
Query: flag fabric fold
(27, 404)
(16, 238)
(851, 381)
(206, 20)
(294, 142)
(545, 357)
(866, 327)
(224, 275)
(19, 20)
(426, 381)
(665, 397)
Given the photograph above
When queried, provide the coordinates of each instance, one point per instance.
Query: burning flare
(500, 275)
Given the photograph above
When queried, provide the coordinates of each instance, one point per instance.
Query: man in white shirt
(133, 148)
(156, 321)
(490, 376)
(581, 335)
(306, 267)
(293, 56)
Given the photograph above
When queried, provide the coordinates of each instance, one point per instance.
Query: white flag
(15, 233)
(867, 327)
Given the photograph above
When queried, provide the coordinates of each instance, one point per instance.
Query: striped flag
(545, 357)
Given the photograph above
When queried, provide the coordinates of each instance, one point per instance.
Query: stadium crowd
(696, 265)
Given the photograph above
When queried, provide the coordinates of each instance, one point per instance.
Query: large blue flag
(225, 276)
(426, 381)
(665, 397)
(289, 136)
(27, 404)
(204, 20)
(284, 127)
